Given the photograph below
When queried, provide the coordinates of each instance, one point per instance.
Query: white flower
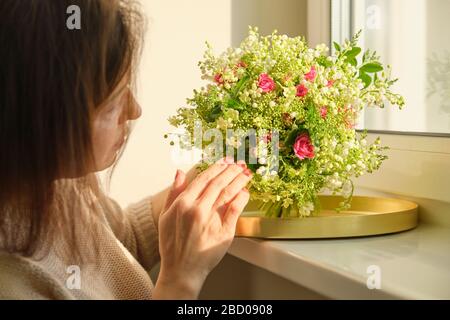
(306, 209)
(252, 38)
(261, 170)
(263, 150)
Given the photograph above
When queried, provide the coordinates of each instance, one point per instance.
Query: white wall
(175, 41)
(418, 169)
(174, 44)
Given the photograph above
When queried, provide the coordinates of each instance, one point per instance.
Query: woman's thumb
(178, 186)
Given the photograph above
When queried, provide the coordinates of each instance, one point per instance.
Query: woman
(66, 102)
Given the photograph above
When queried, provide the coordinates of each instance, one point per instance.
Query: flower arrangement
(303, 103)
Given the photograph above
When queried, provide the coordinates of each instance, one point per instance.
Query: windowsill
(414, 264)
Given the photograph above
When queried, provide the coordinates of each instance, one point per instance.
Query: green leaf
(215, 113)
(352, 61)
(365, 78)
(353, 52)
(239, 85)
(324, 62)
(371, 67)
(337, 46)
(234, 104)
(350, 56)
(290, 139)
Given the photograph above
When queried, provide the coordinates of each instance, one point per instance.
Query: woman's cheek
(106, 132)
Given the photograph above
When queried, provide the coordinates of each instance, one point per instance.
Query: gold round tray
(367, 216)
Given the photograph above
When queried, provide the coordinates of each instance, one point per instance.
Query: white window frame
(340, 12)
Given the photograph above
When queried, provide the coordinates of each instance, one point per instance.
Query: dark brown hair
(52, 80)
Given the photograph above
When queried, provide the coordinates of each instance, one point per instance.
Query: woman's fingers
(195, 189)
(192, 174)
(179, 184)
(217, 185)
(234, 210)
(230, 192)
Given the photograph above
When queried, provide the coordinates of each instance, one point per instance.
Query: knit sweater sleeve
(136, 229)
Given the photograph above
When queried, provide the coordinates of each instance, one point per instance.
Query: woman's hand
(159, 200)
(197, 227)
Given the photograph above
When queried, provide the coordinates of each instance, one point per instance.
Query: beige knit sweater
(129, 240)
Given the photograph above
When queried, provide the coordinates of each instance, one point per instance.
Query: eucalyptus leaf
(337, 46)
(366, 79)
(371, 67)
(352, 61)
(353, 52)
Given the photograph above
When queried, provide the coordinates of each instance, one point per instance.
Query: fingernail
(248, 173)
(242, 164)
(177, 174)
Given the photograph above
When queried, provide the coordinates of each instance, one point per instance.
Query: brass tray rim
(337, 225)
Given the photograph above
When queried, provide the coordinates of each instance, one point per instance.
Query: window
(412, 37)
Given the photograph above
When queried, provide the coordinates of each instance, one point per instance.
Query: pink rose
(301, 90)
(311, 75)
(303, 147)
(218, 78)
(266, 83)
(323, 112)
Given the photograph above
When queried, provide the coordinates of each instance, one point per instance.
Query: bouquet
(289, 111)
